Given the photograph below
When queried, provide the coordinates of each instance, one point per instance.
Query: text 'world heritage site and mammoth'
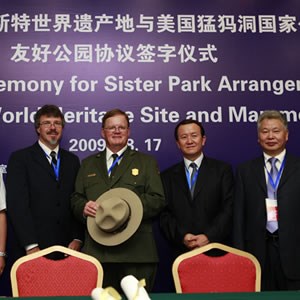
(148, 115)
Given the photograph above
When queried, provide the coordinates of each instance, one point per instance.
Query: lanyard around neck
(114, 163)
(191, 181)
(55, 167)
(275, 183)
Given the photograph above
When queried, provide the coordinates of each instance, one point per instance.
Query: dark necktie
(193, 179)
(272, 191)
(113, 170)
(53, 156)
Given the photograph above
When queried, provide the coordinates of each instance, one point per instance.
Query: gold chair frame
(67, 251)
(208, 247)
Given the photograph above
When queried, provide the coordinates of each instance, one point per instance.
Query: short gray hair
(272, 114)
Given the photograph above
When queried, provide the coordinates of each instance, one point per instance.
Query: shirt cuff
(31, 246)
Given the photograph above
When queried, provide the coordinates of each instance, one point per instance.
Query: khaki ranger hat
(118, 217)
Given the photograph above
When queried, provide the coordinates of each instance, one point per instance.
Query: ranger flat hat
(118, 217)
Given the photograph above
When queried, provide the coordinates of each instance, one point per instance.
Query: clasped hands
(192, 241)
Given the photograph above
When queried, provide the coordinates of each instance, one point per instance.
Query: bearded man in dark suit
(40, 181)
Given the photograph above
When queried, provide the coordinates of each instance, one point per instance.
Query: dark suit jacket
(38, 206)
(209, 213)
(92, 181)
(250, 212)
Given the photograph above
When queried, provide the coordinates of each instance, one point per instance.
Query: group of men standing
(51, 199)
(257, 212)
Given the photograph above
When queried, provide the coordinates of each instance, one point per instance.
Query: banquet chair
(234, 271)
(36, 275)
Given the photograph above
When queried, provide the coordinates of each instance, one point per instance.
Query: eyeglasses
(48, 124)
(116, 128)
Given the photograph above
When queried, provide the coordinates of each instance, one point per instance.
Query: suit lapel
(102, 167)
(259, 173)
(63, 169)
(123, 165)
(289, 168)
(180, 180)
(39, 156)
(203, 176)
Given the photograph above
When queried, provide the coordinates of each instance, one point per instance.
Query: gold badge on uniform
(135, 172)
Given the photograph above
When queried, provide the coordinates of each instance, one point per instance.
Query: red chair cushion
(227, 273)
(66, 277)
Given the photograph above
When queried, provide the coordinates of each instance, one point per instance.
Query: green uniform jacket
(138, 172)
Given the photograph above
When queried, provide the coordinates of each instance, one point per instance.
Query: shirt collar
(280, 156)
(197, 161)
(48, 150)
(109, 153)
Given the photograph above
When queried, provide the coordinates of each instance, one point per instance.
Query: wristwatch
(3, 254)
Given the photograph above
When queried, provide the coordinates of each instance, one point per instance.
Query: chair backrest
(235, 271)
(75, 275)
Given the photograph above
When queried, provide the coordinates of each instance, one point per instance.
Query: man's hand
(90, 209)
(75, 245)
(2, 264)
(192, 241)
(33, 250)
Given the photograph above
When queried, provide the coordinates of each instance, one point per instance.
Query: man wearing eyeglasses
(135, 171)
(40, 180)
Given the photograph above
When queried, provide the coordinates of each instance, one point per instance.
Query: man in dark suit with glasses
(40, 181)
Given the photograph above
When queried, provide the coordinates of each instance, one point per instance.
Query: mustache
(52, 131)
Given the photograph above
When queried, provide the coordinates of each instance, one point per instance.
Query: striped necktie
(113, 170)
(53, 158)
(272, 226)
(193, 179)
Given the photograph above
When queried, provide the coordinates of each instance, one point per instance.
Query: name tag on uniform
(272, 209)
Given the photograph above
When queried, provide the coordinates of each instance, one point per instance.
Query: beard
(53, 140)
